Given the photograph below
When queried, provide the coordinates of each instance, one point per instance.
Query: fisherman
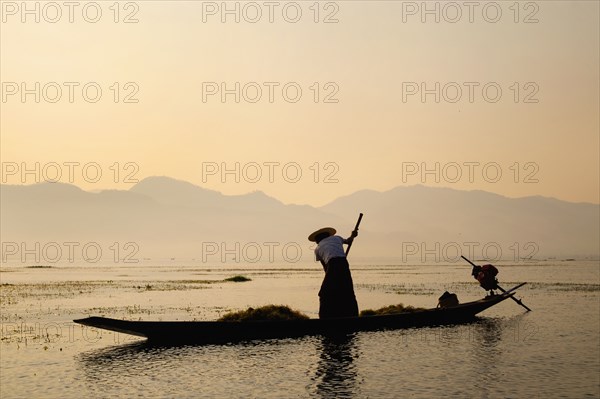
(336, 296)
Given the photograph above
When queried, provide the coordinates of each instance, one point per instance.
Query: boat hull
(214, 332)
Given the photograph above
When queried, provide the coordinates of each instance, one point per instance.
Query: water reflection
(115, 355)
(336, 373)
(487, 334)
(107, 366)
(490, 334)
(255, 369)
(465, 357)
(489, 338)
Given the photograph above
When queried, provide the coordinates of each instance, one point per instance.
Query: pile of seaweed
(268, 312)
(285, 313)
(391, 309)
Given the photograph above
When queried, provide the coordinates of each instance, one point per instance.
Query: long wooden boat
(209, 332)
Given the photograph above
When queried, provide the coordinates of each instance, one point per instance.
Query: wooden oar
(354, 231)
(513, 298)
(515, 288)
(502, 289)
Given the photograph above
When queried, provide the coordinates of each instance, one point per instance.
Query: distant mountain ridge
(170, 217)
(447, 215)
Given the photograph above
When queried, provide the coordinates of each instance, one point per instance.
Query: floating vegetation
(401, 289)
(174, 285)
(566, 287)
(29, 333)
(534, 286)
(391, 309)
(13, 293)
(140, 310)
(238, 279)
(268, 312)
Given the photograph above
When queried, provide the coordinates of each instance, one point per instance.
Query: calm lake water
(553, 351)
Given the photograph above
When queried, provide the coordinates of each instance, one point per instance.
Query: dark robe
(336, 296)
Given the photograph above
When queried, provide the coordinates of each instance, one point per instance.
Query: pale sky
(542, 133)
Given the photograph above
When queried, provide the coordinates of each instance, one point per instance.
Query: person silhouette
(336, 296)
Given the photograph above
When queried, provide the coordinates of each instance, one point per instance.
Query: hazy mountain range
(170, 218)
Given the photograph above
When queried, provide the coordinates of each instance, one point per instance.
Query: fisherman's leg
(349, 306)
(350, 303)
(324, 311)
(327, 295)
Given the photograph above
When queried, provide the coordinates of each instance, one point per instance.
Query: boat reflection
(123, 360)
(489, 339)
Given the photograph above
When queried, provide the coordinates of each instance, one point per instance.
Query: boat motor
(486, 275)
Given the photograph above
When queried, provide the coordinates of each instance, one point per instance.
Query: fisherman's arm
(351, 238)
